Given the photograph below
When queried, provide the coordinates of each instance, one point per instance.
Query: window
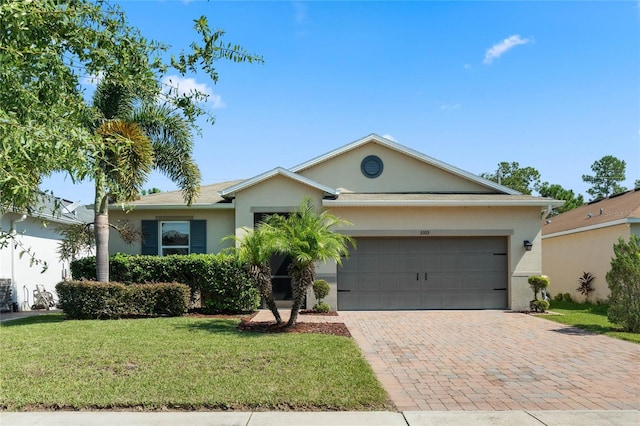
(371, 166)
(175, 238)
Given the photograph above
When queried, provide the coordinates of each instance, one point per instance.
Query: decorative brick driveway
(494, 360)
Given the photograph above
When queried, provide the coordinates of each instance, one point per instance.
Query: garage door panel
(425, 273)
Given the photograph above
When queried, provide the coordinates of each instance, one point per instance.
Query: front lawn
(588, 317)
(179, 363)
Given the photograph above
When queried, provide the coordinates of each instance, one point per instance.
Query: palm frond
(171, 136)
(113, 99)
(127, 158)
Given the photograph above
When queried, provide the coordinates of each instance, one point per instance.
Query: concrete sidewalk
(351, 418)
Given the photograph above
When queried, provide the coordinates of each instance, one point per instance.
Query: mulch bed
(333, 328)
(320, 314)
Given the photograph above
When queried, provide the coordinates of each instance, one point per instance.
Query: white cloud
(501, 48)
(187, 85)
(93, 79)
(454, 106)
(388, 136)
(300, 10)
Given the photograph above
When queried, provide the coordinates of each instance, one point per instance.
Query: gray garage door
(425, 273)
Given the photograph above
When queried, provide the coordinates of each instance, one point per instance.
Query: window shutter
(150, 237)
(198, 237)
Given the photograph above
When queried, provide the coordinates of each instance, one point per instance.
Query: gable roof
(616, 209)
(209, 196)
(231, 191)
(59, 210)
(406, 151)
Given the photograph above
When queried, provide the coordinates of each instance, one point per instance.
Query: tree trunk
(301, 280)
(101, 230)
(262, 275)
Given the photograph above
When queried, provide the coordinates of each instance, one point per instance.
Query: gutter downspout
(14, 285)
(546, 212)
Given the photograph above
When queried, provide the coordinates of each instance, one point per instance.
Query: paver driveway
(494, 360)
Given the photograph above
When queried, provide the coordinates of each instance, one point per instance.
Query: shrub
(321, 289)
(624, 282)
(539, 305)
(96, 300)
(229, 288)
(558, 297)
(567, 297)
(217, 282)
(586, 286)
(537, 284)
(321, 307)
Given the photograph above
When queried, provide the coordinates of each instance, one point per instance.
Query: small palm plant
(255, 250)
(308, 237)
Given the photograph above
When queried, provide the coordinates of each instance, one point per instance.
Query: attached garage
(425, 273)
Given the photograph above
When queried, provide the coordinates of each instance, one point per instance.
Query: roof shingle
(614, 208)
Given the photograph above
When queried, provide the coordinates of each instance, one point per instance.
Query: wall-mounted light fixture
(528, 245)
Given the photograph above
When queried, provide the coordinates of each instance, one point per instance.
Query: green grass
(178, 363)
(589, 317)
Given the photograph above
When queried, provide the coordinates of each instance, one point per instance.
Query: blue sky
(552, 85)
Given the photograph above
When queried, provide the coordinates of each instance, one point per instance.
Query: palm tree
(255, 249)
(308, 237)
(132, 139)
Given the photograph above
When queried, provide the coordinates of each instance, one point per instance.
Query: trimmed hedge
(224, 285)
(96, 300)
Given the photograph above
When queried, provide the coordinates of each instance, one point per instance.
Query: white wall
(43, 242)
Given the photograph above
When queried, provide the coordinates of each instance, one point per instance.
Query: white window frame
(163, 247)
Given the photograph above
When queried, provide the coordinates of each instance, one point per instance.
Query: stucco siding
(220, 223)
(566, 257)
(278, 194)
(400, 174)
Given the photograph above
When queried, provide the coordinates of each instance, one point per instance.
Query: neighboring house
(429, 235)
(38, 232)
(581, 240)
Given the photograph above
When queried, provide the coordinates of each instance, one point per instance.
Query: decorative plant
(585, 282)
(321, 290)
(539, 305)
(538, 283)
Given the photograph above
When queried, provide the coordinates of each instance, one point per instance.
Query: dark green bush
(95, 300)
(229, 288)
(222, 283)
(624, 282)
(321, 307)
(321, 289)
(539, 305)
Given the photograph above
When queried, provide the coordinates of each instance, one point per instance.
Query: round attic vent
(371, 166)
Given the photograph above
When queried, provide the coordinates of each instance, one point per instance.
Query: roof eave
(437, 203)
(592, 227)
(213, 206)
